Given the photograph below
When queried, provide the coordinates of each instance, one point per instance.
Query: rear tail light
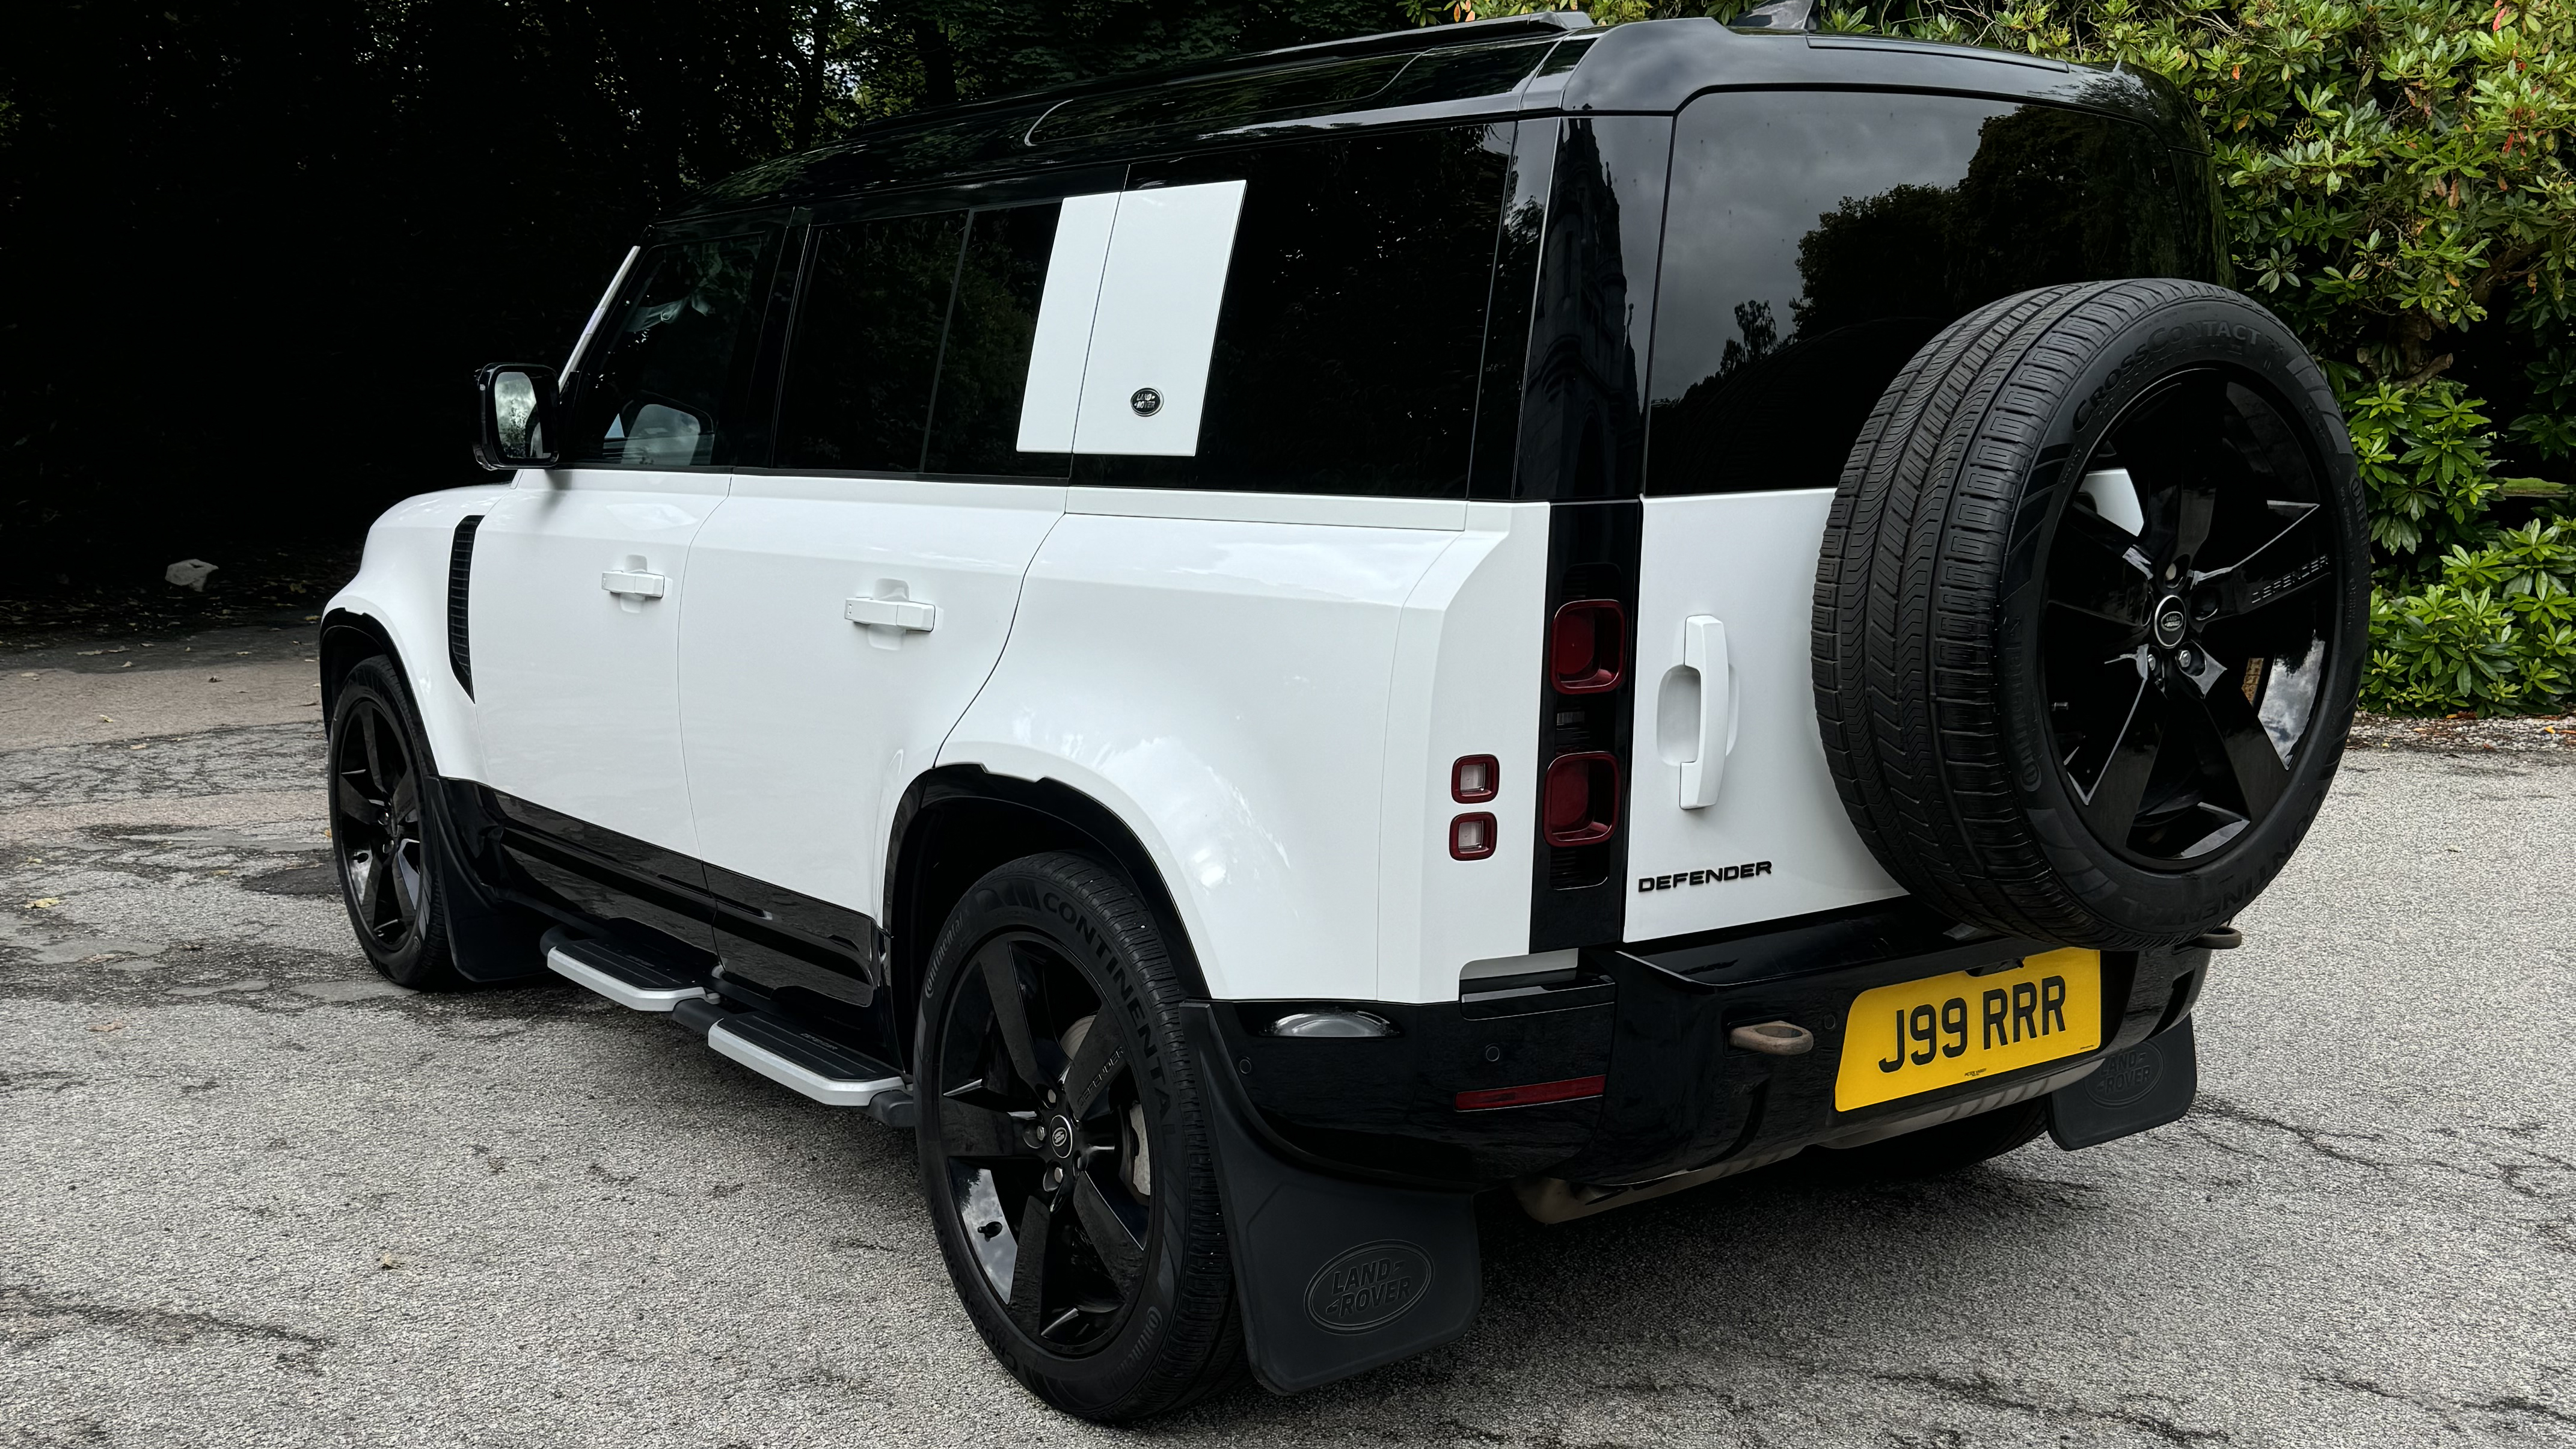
(1587, 646)
(1572, 1089)
(1581, 798)
(1475, 779)
(1471, 837)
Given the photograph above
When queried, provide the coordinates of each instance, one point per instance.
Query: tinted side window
(1348, 345)
(666, 390)
(992, 323)
(865, 348)
(1814, 241)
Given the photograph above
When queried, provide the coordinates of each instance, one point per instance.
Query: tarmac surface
(252, 1194)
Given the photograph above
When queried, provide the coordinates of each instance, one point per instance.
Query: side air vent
(460, 574)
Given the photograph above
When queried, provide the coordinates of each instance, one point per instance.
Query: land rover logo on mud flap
(2127, 1077)
(1368, 1287)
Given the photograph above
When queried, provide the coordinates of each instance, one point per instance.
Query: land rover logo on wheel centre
(1369, 1286)
(2170, 621)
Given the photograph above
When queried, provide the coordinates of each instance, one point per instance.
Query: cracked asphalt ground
(251, 1194)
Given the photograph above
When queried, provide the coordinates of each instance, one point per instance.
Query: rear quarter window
(1814, 240)
(1352, 331)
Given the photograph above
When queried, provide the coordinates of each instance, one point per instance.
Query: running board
(826, 1071)
(612, 973)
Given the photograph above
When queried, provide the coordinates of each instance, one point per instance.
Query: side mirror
(516, 403)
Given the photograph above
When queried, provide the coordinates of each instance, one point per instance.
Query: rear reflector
(1581, 798)
(1471, 837)
(1475, 779)
(1587, 646)
(1570, 1090)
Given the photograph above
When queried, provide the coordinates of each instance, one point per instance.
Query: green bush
(2397, 184)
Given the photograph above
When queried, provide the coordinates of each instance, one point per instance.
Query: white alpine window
(1128, 321)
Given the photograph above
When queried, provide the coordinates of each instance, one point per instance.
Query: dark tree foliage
(255, 251)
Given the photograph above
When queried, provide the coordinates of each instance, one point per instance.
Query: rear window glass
(1348, 344)
(1814, 241)
(984, 365)
(865, 349)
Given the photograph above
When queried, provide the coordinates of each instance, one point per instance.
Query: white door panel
(1728, 768)
(575, 682)
(1225, 683)
(837, 628)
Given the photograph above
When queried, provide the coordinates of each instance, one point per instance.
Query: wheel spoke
(980, 1134)
(367, 742)
(1028, 1274)
(371, 895)
(2098, 570)
(1011, 1010)
(2251, 757)
(405, 869)
(1096, 1063)
(2112, 805)
(404, 804)
(2288, 563)
(353, 805)
(1119, 1247)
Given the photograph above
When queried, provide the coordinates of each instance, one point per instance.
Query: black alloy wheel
(1049, 1165)
(1065, 1144)
(376, 824)
(382, 781)
(2191, 614)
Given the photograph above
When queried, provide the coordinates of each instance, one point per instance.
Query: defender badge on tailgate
(1713, 874)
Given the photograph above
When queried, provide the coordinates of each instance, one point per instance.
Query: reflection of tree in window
(866, 343)
(2049, 195)
(656, 397)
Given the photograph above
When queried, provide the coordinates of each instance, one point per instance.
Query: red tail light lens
(1587, 646)
(1573, 1089)
(1471, 837)
(1582, 799)
(1475, 779)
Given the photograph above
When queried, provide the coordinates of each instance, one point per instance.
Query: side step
(807, 1064)
(612, 973)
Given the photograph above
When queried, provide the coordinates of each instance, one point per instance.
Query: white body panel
(803, 725)
(1224, 685)
(1466, 683)
(575, 687)
(1156, 324)
(1748, 562)
(402, 586)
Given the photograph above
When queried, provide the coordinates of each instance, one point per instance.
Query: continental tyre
(1064, 1145)
(2090, 613)
(382, 791)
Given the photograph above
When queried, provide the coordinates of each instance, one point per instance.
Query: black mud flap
(490, 940)
(1336, 1276)
(2147, 1086)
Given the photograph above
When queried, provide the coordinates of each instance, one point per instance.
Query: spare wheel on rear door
(2091, 612)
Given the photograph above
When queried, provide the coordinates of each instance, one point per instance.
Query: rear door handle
(908, 614)
(1704, 650)
(630, 583)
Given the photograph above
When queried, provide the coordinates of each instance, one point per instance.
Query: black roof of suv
(1496, 69)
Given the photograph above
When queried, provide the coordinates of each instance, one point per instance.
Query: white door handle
(633, 584)
(907, 614)
(1704, 650)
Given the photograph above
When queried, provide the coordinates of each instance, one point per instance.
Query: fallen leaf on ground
(388, 1260)
(44, 903)
(107, 1026)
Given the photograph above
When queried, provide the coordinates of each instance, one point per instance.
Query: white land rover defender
(1252, 654)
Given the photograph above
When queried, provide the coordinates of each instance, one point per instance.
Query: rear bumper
(1651, 1022)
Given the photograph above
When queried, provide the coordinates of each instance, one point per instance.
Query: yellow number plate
(1918, 1036)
